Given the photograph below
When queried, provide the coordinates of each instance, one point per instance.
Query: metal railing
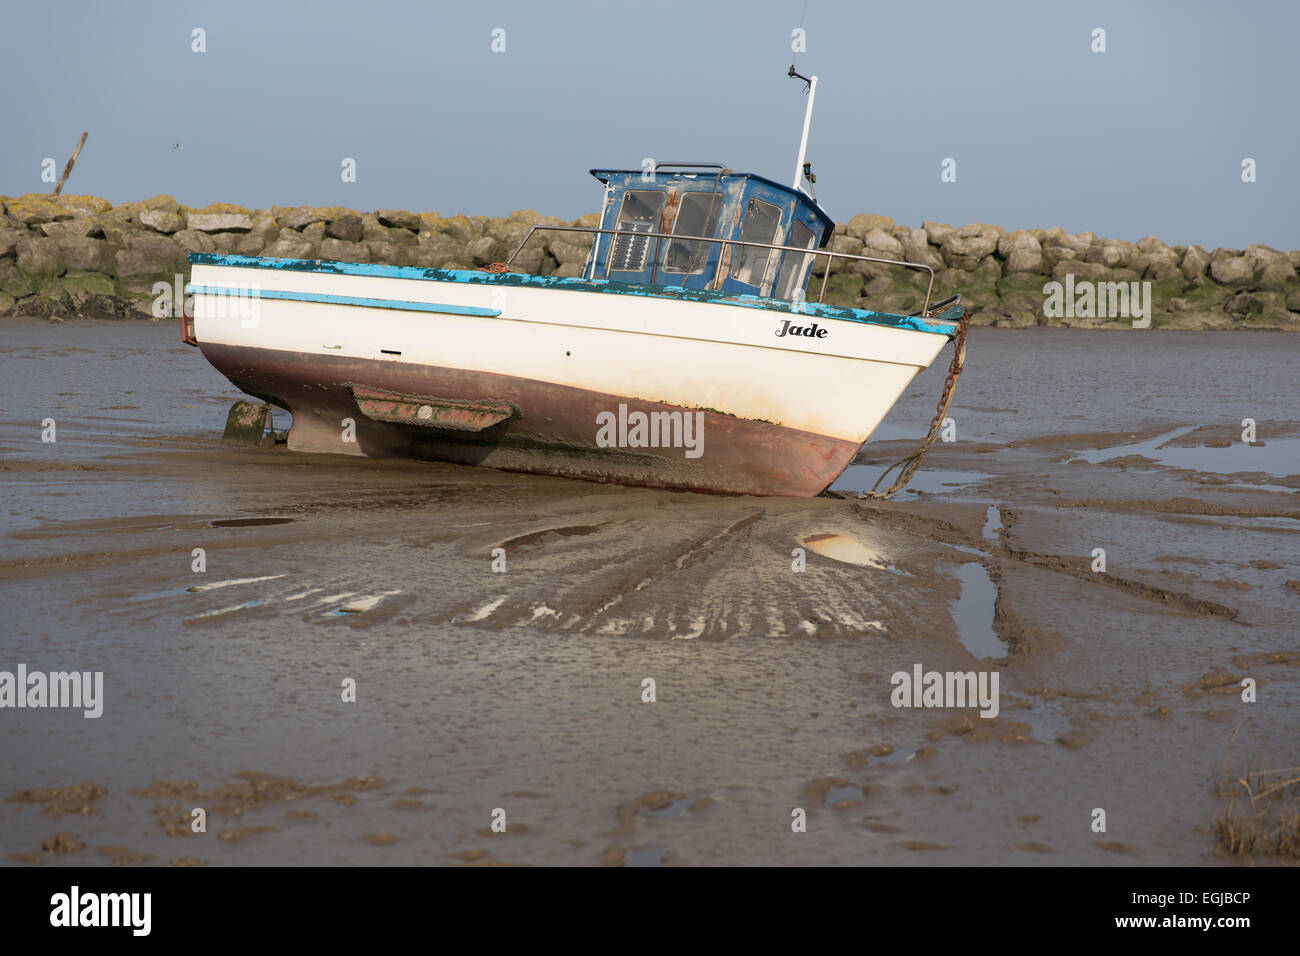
(660, 236)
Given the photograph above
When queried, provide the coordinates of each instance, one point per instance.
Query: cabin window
(639, 212)
(759, 225)
(792, 270)
(697, 215)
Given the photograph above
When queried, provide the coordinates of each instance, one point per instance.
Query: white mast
(803, 142)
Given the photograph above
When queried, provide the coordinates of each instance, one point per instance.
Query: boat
(688, 354)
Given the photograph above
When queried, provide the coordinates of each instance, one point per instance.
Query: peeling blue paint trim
(405, 305)
(811, 309)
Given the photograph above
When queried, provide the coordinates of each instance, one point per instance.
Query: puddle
(992, 524)
(836, 794)
(886, 432)
(846, 550)
(246, 522)
(674, 809)
(859, 478)
(645, 856)
(973, 613)
(1279, 458)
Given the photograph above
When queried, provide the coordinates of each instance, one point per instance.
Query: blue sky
(1144, 139)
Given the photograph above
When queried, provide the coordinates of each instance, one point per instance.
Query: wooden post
(68, 168)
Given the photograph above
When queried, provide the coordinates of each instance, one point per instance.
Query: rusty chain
(913, 461)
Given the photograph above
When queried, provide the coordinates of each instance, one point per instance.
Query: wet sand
(479, 690)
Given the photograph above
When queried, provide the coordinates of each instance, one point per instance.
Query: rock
(1052, 255)
(290, 246)
(399, 219)
(988, 271)
(1115, 254)
(1259, 309)
(314, 233)
(263, 233)
(348, 228)
(161, 201)
(9, 242)
(566, 251)
(1277, 275)
(205, 221)
(191, 240)
(394, 253)
(845, 243)
(937, 232)
(224, 243)
(879, 243)
(40, 256)
(36, 208)
(863, 223)
(1022, 251)
(7, 303)
(1265, 254)
(1156, 265)
(1092, 271)
(981, 229)
(459, 227)
(969, 247)
(299, 217)
(1195, 261)
(1152, 246)
(86, 291)
(162, 220)
(916, 248)
(89, 255)
(1233, 271)
(1081, 243)
(435, 249)
(340, 250)
(78, 227)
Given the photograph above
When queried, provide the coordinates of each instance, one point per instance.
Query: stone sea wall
(81, 256)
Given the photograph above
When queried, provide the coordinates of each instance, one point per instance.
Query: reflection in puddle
(1280, 457)
(973, 613)
(839, 547)
(993, 523)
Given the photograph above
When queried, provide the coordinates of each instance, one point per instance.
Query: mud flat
(521, 691)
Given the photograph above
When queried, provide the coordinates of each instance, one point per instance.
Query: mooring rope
(913, 461)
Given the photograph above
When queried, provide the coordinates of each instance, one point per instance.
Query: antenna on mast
(803, 169)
